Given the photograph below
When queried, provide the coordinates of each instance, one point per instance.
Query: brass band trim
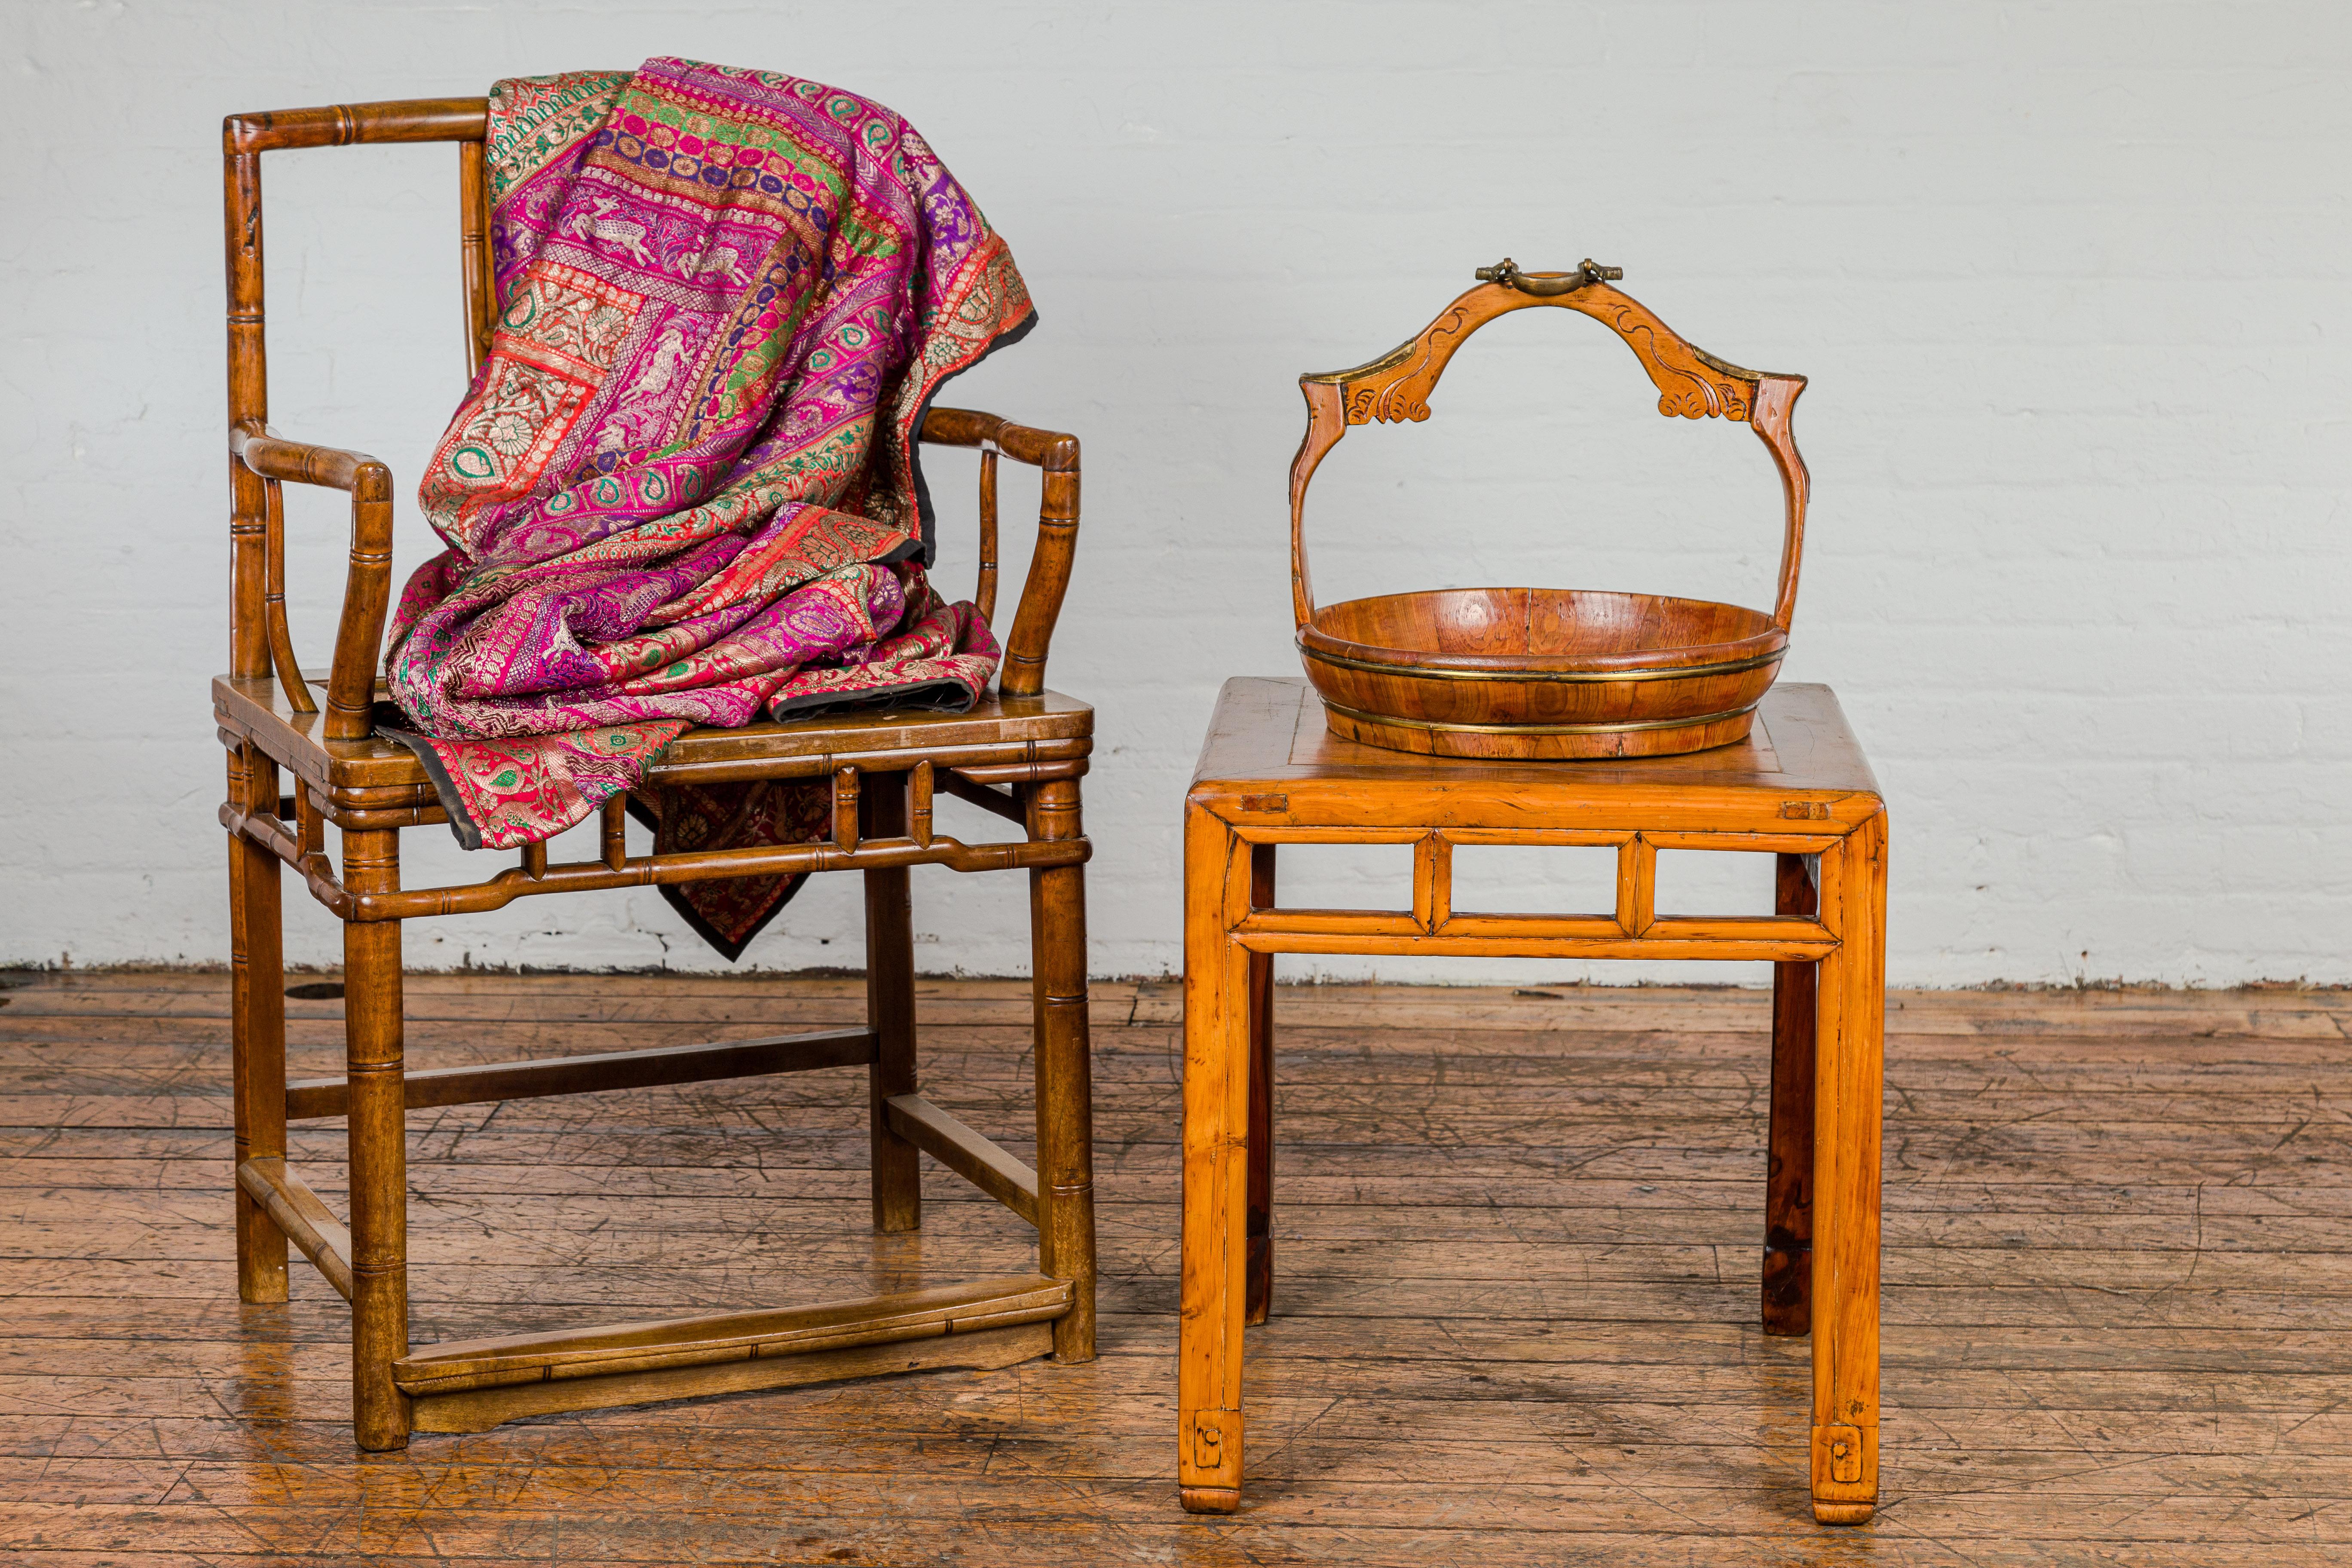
(1692, 722)
(1571, 676)
(1395, 356)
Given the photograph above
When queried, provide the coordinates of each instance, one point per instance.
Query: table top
(1269, 755)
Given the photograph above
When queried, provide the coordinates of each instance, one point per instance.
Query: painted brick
(2071, 282)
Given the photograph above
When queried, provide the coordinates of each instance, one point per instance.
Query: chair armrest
(1056, 454)
(1048, 449)
(273, 456)
(367, 586)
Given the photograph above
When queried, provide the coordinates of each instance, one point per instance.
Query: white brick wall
(2071, 281)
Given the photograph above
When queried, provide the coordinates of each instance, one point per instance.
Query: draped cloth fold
(683, 488)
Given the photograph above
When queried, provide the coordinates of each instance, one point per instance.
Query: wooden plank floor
(1518, 1245)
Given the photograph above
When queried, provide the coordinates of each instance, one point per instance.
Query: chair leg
(1066, 1182)
(1789, 1182)
(1258, 1274)
(257, 1024)
(379, 1146)
(890, 1009)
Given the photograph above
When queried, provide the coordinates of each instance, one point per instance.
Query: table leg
(1789, 1180)
(1260, 1291)
(1849, 1085)
(1217, 868)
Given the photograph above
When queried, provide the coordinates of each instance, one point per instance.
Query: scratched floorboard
(1516, 1235)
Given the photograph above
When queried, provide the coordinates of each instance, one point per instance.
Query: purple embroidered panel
(682, 488)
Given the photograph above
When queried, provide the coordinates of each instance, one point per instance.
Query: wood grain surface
(1515, 1321)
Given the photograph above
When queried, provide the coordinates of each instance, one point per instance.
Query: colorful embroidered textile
(683, 489)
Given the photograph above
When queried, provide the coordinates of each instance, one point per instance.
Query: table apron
(1588, 837)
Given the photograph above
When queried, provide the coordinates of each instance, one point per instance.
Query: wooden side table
(1272, 774)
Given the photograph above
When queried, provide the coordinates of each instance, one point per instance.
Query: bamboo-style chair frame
(1020, 754)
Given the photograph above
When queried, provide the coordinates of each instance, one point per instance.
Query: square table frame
(1798, 787)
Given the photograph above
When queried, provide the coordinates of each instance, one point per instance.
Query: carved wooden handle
(1691, 382)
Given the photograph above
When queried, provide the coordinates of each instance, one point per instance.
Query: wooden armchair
(1018, 754)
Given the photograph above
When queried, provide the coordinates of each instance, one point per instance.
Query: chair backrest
(256, 613)
(258, 636)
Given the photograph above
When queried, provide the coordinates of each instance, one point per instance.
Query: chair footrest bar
(966, 1151)
(1654, 944)
(683, 1342)
(307, 1098)
(307, 1221)
(479, 1409)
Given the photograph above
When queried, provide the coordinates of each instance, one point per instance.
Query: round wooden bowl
(1541, 672)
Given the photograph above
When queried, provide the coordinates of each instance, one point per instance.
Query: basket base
(1539, 742)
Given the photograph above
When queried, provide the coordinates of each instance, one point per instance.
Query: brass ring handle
(1548, 285)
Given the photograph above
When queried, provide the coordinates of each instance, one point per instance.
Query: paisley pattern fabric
(687, 817)
(682, 489)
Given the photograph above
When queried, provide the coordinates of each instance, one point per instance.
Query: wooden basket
(1544, 672)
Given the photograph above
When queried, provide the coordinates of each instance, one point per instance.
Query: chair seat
(997, 730)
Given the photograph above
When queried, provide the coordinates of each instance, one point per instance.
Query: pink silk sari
(683, 489)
